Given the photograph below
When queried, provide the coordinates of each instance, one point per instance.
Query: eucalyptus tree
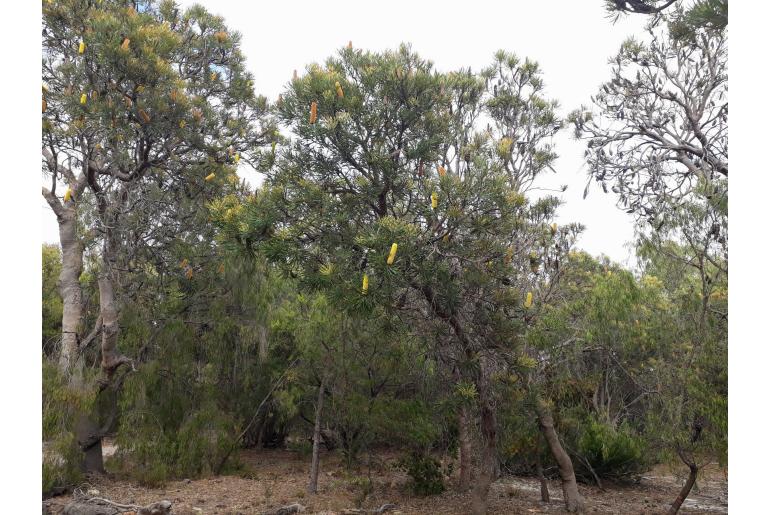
(142, 104)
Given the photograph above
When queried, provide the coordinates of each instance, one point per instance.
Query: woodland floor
(273, 478)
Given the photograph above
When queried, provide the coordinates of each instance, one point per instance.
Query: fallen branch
(90, 504)
(286, 510)
(379, 511)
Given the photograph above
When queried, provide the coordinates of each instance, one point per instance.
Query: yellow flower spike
(441, 171)
(189, 273)
(528, 302)
(445, 239)
(553, 228)
(184, 263)
(82, 47)
(237, 157)
(340, 94)
(365, 284)
(125, 43)
(313, 111)
(182, 123)
(67, 195)
(210, 177)
(392, 255)
(433, 200)
(83, 98)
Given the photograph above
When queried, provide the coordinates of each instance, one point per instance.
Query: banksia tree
(352, 191)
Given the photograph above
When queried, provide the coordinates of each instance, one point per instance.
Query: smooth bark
(312, 486)
(572, 499)
(685, 491)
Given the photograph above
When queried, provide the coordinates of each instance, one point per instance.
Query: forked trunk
(685, 490)
(464, 439)
(312, 486)
(572, 498)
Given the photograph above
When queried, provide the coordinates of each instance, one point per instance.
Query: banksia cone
(433, 200)
(210, 177)
(294, 75)
(213, 76)
(67, 195)
(82, 47)
(125, 43)
(340, 94)
(313, 112)
(145, 117)
(350, 45)
(221, 36)
(45, 105)
(173, 95)
(392, 255)
(441, 171)
(528, 302)
(365, 284)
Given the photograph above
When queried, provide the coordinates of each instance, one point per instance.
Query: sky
(571, 40)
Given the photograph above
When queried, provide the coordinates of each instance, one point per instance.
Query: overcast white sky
(571, 39)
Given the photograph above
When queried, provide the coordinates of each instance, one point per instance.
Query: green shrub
(613, 453)
(425, 472)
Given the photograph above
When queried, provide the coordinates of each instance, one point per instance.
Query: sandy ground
(278, 478)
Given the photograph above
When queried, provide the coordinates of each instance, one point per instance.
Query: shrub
(614, 453)
(425, 472)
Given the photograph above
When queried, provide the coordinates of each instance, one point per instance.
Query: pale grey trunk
(312, 486)
(71, 293)
(572, 498)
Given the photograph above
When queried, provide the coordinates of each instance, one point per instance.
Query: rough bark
(685, 491)
(85, 430)
(488, 426)
(312, 486)
(572, 499)
(464, 438)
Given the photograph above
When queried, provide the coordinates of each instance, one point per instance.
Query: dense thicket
(395, 281)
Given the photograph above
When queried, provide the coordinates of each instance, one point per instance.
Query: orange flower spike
(340, 94)
(313, 112)
(210, 177)
(125, 43)
(441, 171)
(144, 115)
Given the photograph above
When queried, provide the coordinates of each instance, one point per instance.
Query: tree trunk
(464, 438)
(572, 498)
(545, 496)
(312, 486)
(92, 459)
(70, 363)
(488, 425)
(685, 490)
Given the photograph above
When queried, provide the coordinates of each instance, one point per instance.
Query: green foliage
(615, 453)
(52, 302)
(425, 472)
